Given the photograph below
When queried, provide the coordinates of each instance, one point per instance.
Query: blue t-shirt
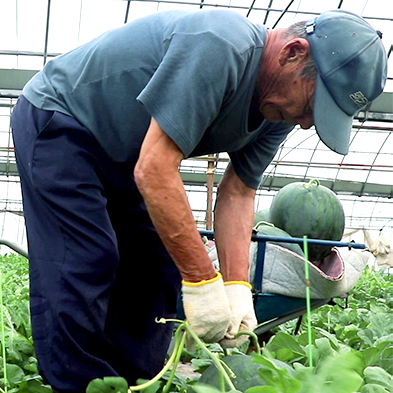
(194, 72)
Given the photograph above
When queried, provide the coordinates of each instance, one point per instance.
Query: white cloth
(380, 248)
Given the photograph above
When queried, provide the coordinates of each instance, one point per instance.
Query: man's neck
(269, 66)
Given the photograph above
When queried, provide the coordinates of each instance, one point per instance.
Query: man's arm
(233, 220)
(158, 179)
(205, 301)
(233, 227)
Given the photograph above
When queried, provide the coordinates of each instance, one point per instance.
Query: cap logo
(310, 28)
(359, 99)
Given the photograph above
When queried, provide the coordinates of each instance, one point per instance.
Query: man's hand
(242, 313)
(207, 308)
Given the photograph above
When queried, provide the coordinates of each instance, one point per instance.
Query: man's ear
(294, 51)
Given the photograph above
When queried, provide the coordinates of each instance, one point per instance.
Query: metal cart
(271, 309)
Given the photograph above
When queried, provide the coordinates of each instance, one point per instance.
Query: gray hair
(297, 30)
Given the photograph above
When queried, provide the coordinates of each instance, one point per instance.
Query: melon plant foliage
(352, 352)
(352, 347)
(21, 363)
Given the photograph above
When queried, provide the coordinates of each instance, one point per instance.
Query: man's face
(289, 99)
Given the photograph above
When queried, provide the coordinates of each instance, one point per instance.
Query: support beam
(127, 11)
(210, 185)
(283, 13)
(47, 32)
(12, 82)
(269, 183)
(250, 9)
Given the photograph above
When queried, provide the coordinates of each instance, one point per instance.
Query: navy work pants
(99, 274)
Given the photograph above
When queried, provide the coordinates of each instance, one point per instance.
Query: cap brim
(332, 124)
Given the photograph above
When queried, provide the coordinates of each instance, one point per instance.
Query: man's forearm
(169, 210)
(159, 181)
(233, 220)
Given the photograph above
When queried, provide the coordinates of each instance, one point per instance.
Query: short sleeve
(251, 161)
(197, 74)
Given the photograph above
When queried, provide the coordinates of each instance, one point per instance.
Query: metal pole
(249, 10)
(127, 10)
(298, 240)
(283, 13)
(210, 185)
(47, 33)
(267, 12)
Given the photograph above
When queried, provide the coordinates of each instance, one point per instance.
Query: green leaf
(31, 368)
(373, 388)
(15, 374)
(23, 344)
(35, 386)
(307, 378)
(386, 360)
(202, 388)
(350, 334)
(153, 388)
(261, 389)
(284, 340)
(108, 385)
(384, 341)
(370, 356)
(382, 324)
(200, 365)
(303, 340)
(378, 376)
(277, 376)
(285, 354)
(332, 338)
(322, 350)
(179, 382)
(336, 374)
(367, 336)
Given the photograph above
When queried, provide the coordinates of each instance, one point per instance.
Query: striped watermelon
(309, 209)
(262, 215)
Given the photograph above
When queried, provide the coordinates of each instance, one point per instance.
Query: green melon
(262, 215)
(309, 209)
(268, 229)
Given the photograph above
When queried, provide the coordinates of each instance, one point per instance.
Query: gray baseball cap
(352, 71)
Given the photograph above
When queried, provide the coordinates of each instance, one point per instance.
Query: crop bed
(352, 348)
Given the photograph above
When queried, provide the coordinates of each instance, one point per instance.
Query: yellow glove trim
(203, 282)
(247, 284)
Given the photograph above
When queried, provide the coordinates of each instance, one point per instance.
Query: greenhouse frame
(320, 310)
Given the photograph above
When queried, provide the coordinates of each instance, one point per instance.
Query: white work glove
(206, 307)
(242, 313)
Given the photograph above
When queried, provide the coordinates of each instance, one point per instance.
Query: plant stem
(308, 300)
(254, 338)
(215, 360)
(176, 362)
(3, 335)
(168, 364)
(259, 223)
(313, 182)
